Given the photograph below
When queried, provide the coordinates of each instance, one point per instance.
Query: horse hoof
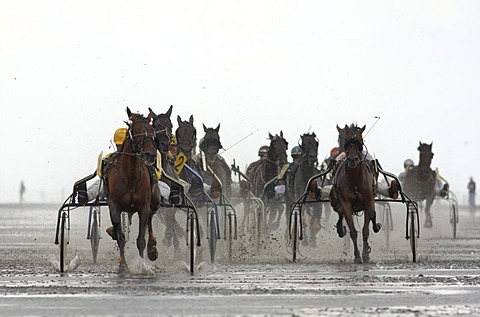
(122, 268)
(358, 260)
(342, 231)
(109, 231)
(152, 255)
(366, 258)
(377, 227)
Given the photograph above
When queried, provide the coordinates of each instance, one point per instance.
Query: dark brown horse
(209, 159)
(298, 178)
(130, 185)
(307, 167)
(186, 135)
(268, 171)
(353, 192)
(162, 124)
(270, 168)
(163, 135)
(420, 181)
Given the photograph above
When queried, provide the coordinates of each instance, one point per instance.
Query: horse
(186, 135)
(163, 126)
(353, 191)
(163, 129)
(307, 167)
(299, 176)
(420, 181)
(210, 159)
(264, 173)
(130, 187)
(270, 167)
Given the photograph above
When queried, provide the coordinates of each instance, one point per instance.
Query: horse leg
(177, 231)
(118, 235)
(172, 230)
(353, 236)
(428, 215)
(341, 229)
(143, 221)
(315, 224)
(372, 215)
(167, 239)
(152, 252)
(337, 207)
(366, 234)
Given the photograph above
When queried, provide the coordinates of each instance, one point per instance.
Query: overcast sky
(69, 69)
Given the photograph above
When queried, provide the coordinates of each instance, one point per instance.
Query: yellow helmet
(173, 140)
(119, 136)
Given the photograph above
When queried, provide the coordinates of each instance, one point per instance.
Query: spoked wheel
(294, 234)
(64, 240)
(212, 235)
(454, 219)
(229, 235)
(95, 231)
(413, 232)
(191, 241)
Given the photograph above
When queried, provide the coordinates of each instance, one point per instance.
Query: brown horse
(420, 181)
(131, 187)
(353, 192)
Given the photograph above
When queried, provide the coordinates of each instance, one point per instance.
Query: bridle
(185, 145)
(162, 130)
(273, 156)
(138, 146)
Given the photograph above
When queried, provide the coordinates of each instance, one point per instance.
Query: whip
(242, 139)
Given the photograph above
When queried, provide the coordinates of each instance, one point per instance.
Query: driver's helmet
(407, 163)
(119, 136)
(173, 140)
(296, 150)
(263, 150)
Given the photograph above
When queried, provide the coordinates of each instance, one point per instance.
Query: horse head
(186, 135)
(354, 145)
(163, 129)
(426, 154)
(141, 137)
(277, 152)
(309, 146)
(210, 143)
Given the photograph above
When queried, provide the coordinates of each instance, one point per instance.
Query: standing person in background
(471, 194)
(22, 192)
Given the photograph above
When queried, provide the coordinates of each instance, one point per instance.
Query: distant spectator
(471, 193)
(22, 191)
